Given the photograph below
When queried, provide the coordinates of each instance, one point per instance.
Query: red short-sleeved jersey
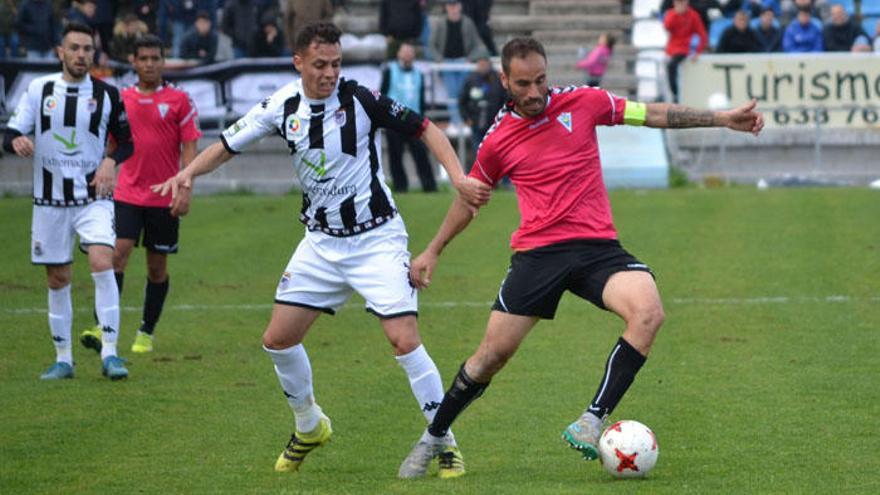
(160, 122)
(553, 160)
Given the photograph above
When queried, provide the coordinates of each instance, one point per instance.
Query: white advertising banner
(829, 89)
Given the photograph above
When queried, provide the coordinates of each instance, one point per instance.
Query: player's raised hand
(180, 182)
(180, 204)
(474, 192)
(104, 177)
(23, 146)
(421, 269)
(746, 118)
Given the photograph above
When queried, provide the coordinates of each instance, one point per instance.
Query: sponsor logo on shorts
(38, 248)
(637, 266)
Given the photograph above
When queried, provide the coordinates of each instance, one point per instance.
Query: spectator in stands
(756, 7)
(682, 22)
(224, 47)
(146, 12)
(478, 11)
(482, 96)
(739, 37)
(8, 36)
(240, 19)
(37, 29)
(455, 39)
(200, 42)
(180, 15)
(803, 35)
(298, 13)
(820, 9)
(400, 20)
(769, 34)
(81, 11)
(405, 84)
(127, 31)
(268, 40)
(702, 7)
(596, 62)
(104, 20)
(840, 34)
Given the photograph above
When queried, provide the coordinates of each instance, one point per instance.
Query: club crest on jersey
(293, 127)
(91, 105)
(163, 109)
(339, 115)
(565, 119)
(49, 105)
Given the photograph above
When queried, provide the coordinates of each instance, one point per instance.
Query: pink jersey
(160, 122)
(553, 160)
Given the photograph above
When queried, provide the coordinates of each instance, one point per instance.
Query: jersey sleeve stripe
(489, 180)
(188, 117)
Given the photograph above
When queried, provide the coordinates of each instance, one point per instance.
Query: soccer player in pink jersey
(165, 129)
(566, 239)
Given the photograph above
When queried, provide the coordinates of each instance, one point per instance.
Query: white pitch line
(724, 301)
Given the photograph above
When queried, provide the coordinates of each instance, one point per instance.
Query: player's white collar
(312, 101)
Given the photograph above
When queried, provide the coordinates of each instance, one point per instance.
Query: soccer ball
(628, 449)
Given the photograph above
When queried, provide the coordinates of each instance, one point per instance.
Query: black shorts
(537, 278)
(160, 229)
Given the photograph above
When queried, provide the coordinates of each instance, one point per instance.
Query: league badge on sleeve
(293, 127)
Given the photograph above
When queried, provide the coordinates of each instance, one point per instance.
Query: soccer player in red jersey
(544, 140)
(165, 129)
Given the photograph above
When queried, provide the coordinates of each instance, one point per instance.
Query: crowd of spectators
(204, 31)
(791, 26)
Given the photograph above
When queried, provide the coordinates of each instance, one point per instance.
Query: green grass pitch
(764, 379)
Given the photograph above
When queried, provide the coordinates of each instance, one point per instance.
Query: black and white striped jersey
(335, 150)
(70, 123)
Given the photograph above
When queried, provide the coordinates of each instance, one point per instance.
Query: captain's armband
(635, 113)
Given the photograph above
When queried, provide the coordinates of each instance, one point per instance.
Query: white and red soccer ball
(628, 449)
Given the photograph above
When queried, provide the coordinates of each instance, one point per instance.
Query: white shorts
(324, 271)
(53, 229)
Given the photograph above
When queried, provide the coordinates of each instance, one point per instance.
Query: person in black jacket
(768, 32)
(200, 42)
(840, 34)
(240, 23)
(400, 20)
(481, 97)
(268, 41)
(739, 38)
(478, 11)
(37, 29)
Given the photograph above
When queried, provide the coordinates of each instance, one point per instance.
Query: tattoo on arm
(680, 116)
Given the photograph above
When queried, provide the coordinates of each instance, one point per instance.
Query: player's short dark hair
(316, 32)
(520, 48)
(148, 41)
(77, 27)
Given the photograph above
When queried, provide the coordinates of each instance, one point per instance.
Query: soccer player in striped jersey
(71, 115)
(355, 238)
(545, 141)
(164, 126)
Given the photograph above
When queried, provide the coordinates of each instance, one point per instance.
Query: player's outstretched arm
(457, 219)
(671, 116)
(474, 192)
(209, 159)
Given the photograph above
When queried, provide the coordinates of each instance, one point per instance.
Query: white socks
(107, 309)
(424, 379)
(60, 320)
(295, 374)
